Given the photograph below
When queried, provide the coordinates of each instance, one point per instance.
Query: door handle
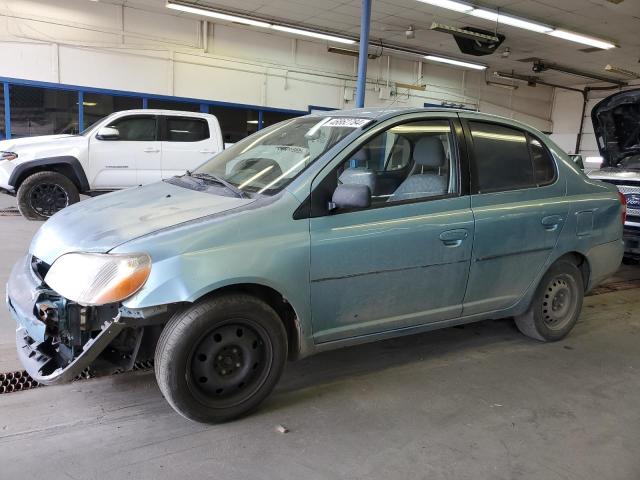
(454, 238)
(552, 222)
(151, 150)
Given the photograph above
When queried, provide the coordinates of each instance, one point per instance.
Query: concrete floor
(479, 402)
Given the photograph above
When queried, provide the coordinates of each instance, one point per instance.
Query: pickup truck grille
(631, 190)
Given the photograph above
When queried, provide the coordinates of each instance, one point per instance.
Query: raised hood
(616, 123)
(102, 223)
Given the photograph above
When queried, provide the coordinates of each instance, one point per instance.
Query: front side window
(408, 161)
(501, 157)
(185, 129)
(140, 128)
(268, 160)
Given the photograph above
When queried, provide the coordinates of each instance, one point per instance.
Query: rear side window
(186, 129)
(543, 164)
(501, 155)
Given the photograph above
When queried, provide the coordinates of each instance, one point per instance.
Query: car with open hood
(616, 124)
(319, 232)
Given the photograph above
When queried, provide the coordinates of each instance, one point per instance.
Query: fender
(67, 165)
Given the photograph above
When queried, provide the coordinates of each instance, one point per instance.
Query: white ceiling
(389, 19)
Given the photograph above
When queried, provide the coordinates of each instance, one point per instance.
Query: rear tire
(556, 305)
(219, 359)
(42, 194)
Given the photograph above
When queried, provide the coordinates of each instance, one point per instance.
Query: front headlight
(97, 278)
(8, 155)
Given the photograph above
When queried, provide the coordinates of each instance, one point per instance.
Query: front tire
(42, 194)
(219, 359)
(556, 305)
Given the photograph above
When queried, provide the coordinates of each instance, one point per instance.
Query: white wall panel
(115, 70)
(28, 60)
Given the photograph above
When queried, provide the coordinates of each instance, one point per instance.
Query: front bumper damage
(57, 339)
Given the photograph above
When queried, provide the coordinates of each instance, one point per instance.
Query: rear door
(517, 202)
(186, 143)
(132, 158)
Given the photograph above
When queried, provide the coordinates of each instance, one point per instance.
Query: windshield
(268, 160)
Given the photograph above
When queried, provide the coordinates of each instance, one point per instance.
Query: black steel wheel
(45, 193)
(556, 305)
(230, 363)
(219, 359)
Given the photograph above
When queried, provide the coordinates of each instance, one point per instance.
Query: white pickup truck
(125, 149)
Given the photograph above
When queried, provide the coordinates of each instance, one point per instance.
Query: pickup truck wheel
(556, 305)
(42, 194)
(219, 359)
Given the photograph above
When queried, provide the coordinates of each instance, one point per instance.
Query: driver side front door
(400, 263)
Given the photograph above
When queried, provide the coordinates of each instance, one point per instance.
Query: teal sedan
(319, 232)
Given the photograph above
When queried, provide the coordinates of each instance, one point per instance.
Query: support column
(365, 21)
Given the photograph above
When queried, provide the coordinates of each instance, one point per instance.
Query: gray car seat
(427, 154)
(359, 175)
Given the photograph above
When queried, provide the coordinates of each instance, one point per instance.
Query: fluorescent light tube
(458, 63)
(510, 20)
(309, 33)
(222, 16)
(450, 5)
(576, 37)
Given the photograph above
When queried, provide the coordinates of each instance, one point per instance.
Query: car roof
(156, 111)
(384, 113)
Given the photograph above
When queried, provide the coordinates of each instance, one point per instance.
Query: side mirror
(108, 133)
(577, 159)
(350, 195)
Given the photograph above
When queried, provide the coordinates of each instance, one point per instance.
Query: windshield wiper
(220, 180)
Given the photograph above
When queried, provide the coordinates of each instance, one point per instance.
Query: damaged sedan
(323, 231)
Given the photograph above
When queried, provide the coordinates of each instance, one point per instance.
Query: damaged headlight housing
(97, 278)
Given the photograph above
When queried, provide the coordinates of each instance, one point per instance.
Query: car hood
(102, 223)
(616, 123)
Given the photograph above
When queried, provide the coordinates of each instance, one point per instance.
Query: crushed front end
(57, 339)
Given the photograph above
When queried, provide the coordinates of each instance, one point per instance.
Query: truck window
(186, 129)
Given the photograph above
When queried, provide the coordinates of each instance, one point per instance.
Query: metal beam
(365, 21)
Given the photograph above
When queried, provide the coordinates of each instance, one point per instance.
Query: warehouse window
(173, 105)
(501, 158)
(41, 111)
(235, 123)
(99, 105)
(185, 129)
(3, 129)
(270, 118)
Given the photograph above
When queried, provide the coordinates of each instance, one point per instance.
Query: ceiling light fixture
(458, 63)
(450, 5)
(584, 39)
(514, 21)
(201, 10)
(254, 22)
(510, 20)
(309, 33)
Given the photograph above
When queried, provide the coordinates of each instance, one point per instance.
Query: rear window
(186, 129)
